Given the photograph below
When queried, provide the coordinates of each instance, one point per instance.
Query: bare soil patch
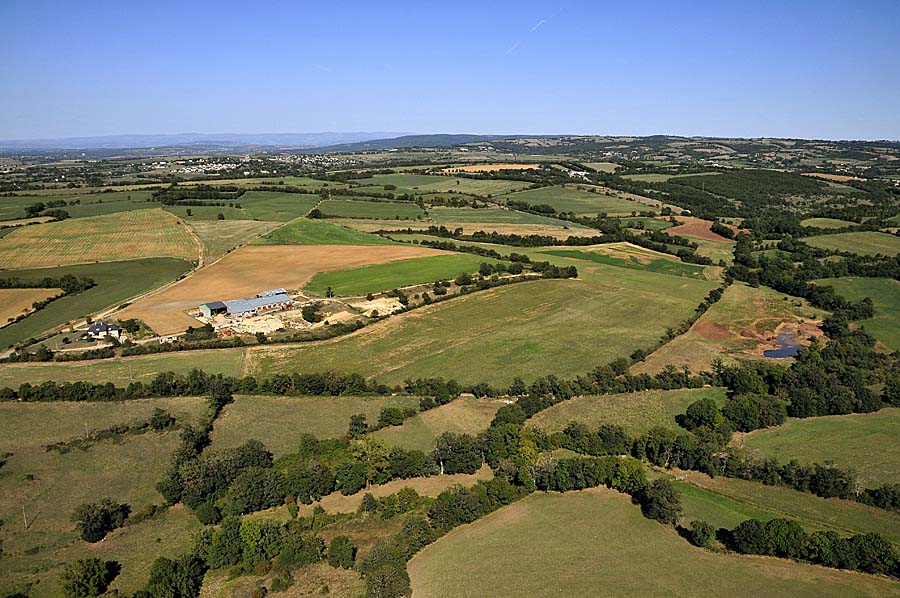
(251, 269)
(14, 302)
(697, 228)
(712, 330)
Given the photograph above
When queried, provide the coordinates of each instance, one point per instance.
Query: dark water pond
(787, 346)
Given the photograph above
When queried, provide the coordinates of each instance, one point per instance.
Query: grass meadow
(462, 416)
(596, 542)
(860, 243)
(637, 412)
(885, 295)
(221, 236)
(391, 275)
(278, 422)
(304, 231)
(865, 442)
(826, 223)
(424, 183)
(348, 208)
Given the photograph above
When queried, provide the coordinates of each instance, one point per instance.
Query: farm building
(240, 307)
(102, 330)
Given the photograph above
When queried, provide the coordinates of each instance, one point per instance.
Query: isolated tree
(341, 552)
(661, 501)
(358, 426)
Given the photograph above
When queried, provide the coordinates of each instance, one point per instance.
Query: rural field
(115, 282)
(221, 236)
(851, 442)
(254, 205)
(860, 243)
(625, 255)
(697, 228)
(826, 223)
(251, 269)
(596, 542)
(726, 502)
(741, 325)
(462, 416)
(574, 199)
(885, 295)
(136, 234)
(384, 277)
(423, 183)
(281, 420)
(316, 232)
(564, 327)
(637, 412)
(123, 370)
(346, 208)
(16, 302)
(486, 217)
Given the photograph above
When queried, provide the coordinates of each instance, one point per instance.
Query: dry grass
(462, 416)
(220, 236)
(245, 272)
(319, 579)
(841, 178)
(110, 237)
(560, 232)
(26, 221)
(15, 302)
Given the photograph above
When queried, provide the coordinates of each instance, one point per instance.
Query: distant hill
(405, 141)
(223, 140)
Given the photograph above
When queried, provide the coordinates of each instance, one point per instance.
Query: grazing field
(251, 269)
(741, 325)
(595, 542)
(645, 223)
(462, 416)
(347, 208)
(136, 234)
(15, 302)
(304, 231)
(826, 223)
(885, 295)
(384, 277)
(279, 421)
(866, 442)
(424, 183)
(557, 229)
(278, 207)
(121, 371)
(717, 251)
(725, 502)
(697, 228)
(207, 213)
(860, 243)
(221, 236)
(626, 255)
(637, 412)
(50, 485)
(528, 329)
(602, 166)
(573, 199)
(115, 283)
(25, 221)
(660, 177)
(81, 205)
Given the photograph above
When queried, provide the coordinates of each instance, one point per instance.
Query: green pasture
(346, 208)
(885, 295)
(573, 199)
(860, 243)
(305, 231)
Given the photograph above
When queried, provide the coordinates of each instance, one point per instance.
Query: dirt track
(251, 269)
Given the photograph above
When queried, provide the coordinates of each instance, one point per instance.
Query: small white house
(100, 330)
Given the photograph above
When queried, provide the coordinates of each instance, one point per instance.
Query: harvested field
(110, 237)
(697, 228)
(637, 412)
(462, 416)
(596, 542)
(15, 302)
(245, 272)
(582, 200)
(425, 183)
(841, 178)
(490, 167)
(25, 221)
(741, 325)
(826, 223)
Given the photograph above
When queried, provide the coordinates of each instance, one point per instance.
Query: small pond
(787, 346)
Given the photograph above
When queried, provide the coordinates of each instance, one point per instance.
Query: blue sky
(822, 69)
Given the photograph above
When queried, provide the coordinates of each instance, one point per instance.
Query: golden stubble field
(249, 270)
(109, 237)
(14, 302)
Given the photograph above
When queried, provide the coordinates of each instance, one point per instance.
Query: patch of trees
(183, 195)
(87, 578)
(94, 520)
(785, 538)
